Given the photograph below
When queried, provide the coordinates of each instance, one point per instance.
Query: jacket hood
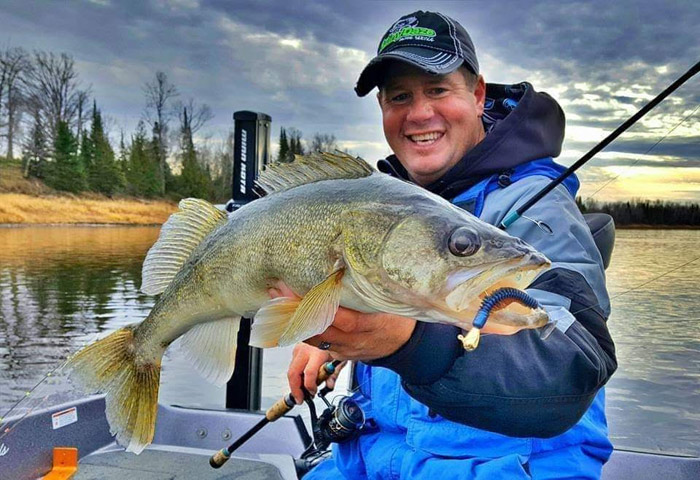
(521, 125)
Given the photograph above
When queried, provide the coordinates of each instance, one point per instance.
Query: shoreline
(18, 210)
(21, 209)
(117, 224)
(90, 225)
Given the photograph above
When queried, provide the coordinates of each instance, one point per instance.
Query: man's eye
(401, 97)
(438, 90)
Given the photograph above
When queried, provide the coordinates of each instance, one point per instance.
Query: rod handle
(219, 458)
(326, 370)
(281, 406)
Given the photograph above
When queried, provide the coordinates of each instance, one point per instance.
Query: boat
(72, 440)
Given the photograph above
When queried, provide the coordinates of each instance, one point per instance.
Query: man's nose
(421, 109)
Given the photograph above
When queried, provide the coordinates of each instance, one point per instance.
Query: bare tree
(159, 93)
(51, 80)
(197, 115)
(323, 142)
(14, 62)
(82, 100)
(36, 148)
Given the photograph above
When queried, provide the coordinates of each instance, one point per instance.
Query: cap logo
(406, 28)
(403, 22)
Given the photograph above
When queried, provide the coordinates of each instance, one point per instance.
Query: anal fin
(211, 347)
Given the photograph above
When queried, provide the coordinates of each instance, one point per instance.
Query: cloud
(298, 61)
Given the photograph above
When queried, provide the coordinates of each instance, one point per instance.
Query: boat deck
(186, 438)
(181, 464)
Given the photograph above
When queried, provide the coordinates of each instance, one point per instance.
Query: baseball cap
(429, 40)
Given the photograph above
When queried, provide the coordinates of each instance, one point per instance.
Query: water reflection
(59, 287)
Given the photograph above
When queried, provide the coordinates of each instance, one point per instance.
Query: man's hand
(358, 336)
(352, 336)
(303, 370)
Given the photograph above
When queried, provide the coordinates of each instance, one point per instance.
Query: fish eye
(464, 243)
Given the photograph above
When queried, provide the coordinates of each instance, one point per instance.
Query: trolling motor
(336, 424)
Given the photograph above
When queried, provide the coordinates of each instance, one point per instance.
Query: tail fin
(110, 366)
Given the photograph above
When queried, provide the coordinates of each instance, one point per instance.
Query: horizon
(298, 63)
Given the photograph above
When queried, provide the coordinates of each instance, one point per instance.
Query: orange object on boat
(65, 463)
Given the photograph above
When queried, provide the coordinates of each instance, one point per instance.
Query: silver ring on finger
(324, 346)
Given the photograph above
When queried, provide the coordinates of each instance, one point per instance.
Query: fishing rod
(282, 406)
(508, 220)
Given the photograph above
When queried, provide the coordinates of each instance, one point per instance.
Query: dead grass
(29, 201)
(12, 180)
(65, 209)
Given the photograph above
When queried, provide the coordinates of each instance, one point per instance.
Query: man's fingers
(310, 377)
(330, 381)
(294, 375)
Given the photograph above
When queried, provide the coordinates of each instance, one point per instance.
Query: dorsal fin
(180, 235)
(311, 168)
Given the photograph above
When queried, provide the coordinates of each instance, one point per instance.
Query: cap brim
(431, 61)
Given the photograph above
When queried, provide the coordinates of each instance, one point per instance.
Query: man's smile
(427, 138)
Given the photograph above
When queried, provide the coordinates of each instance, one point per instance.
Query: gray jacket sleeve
(522, 385)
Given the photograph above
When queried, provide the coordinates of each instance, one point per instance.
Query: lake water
(61, 287)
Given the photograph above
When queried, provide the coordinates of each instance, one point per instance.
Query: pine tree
(194, 179)
(66, 171)
(283, 154)
(123, 159)
(295, 146)
(164, 180)
(143, 171)
(86, 152)
(104, 174)
(36, 151)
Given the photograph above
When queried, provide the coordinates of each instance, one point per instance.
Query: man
(519, 406)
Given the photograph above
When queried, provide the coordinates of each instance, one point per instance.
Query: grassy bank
(29, 201)
(64, 209)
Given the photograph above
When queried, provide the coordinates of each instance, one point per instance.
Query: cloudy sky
(298, 62)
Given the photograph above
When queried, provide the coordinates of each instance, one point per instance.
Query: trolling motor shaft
(282, 406)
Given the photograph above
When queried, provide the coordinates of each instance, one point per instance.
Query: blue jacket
(518, 406)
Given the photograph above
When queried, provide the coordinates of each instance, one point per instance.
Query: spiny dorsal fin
(180, 235)
(311, 168)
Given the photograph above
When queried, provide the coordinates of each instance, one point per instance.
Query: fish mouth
(468, 288)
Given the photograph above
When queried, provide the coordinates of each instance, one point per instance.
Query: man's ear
(480, 94)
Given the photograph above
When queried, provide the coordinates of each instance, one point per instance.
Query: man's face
(430, 121)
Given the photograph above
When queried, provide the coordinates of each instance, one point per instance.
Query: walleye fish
(337, 233)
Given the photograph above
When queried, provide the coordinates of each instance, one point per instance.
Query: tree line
(63, 137)
(646, 212)
(290, 144)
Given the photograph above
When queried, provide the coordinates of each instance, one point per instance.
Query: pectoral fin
(316, 310)
(271, 321)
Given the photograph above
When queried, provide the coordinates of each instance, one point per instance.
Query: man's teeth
(425, 138)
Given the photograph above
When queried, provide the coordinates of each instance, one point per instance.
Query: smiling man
(430, 121)
(519, 406)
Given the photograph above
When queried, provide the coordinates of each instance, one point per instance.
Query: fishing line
(5, 430)
(513, 216)
(645, 153)
(633, 288)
